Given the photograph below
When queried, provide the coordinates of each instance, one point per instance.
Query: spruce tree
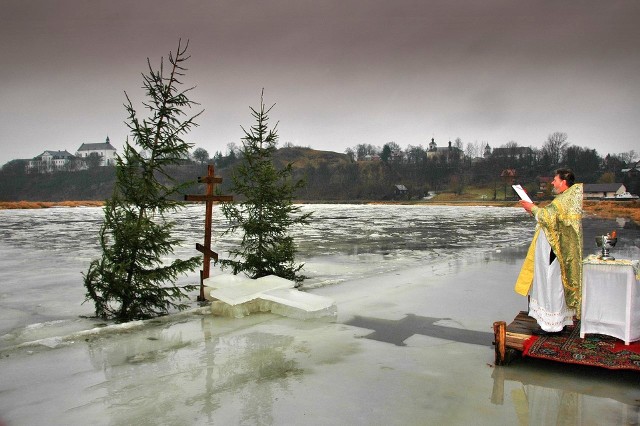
(266, 213)
(134, 279)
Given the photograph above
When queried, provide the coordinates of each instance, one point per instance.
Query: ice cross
(211, 180)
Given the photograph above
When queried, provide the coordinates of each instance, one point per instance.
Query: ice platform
(238, 296)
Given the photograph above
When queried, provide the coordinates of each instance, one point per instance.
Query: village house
(598, 191)
(400, 191)
(397, 156)
(633, 170)
(371, 157)
(516, 152)
(509, 176)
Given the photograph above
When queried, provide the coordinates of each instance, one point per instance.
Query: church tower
(487, 151)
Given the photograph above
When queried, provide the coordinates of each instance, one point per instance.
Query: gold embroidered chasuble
(561, 222)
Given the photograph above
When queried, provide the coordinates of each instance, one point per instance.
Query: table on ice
(611, 299)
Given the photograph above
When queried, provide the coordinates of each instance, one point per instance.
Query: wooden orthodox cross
(211, 180)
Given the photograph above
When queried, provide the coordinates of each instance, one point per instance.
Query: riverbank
(614, 209)
(9, 205)
(592, 208)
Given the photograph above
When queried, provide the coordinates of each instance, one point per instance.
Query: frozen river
(43, 252)
(452, 264)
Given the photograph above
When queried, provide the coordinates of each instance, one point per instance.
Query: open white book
(523, 195)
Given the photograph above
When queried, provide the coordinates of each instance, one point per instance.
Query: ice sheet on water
(51, 342)
(67, 335)
(329, 312)
(43, 252)
(238, 289)
(298, 299)
(237, 296)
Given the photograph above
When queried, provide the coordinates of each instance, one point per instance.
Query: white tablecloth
(611, 300)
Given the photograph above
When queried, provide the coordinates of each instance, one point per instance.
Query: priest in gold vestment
(552, 270)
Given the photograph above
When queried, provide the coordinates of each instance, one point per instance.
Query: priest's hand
(526, 205)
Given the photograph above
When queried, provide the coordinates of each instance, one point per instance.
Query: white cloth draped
(547, 303)
(611, 300)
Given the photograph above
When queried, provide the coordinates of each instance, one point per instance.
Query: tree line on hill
(364, 172)
(367, 172)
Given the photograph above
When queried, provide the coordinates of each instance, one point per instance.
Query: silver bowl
(606, 242)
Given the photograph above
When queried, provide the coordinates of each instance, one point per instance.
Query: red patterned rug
(595, 349)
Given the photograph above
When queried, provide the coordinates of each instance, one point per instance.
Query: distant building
(105, 151)
(633, 170)
(602, 190)
(487, 151)
(371, 157)
(449, 152)
(509, 176)
(400, 190)
(516, 152)
(396, 155)
(50, 161)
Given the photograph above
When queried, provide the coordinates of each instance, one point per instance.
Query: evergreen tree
(386, 153)
(266, 213)
(133, 279)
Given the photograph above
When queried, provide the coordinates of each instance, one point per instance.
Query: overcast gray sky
(341, 72)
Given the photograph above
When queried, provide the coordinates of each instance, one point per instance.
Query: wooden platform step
(520, 330)
(510, 338)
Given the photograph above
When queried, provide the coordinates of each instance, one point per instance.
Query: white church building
(50, 161)
(105, 151)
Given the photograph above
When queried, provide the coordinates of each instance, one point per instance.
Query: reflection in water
(250, 366)
(139, 369)
(547, 395)
(156, 373)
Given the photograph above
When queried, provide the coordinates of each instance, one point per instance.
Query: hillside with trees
(363, 172)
